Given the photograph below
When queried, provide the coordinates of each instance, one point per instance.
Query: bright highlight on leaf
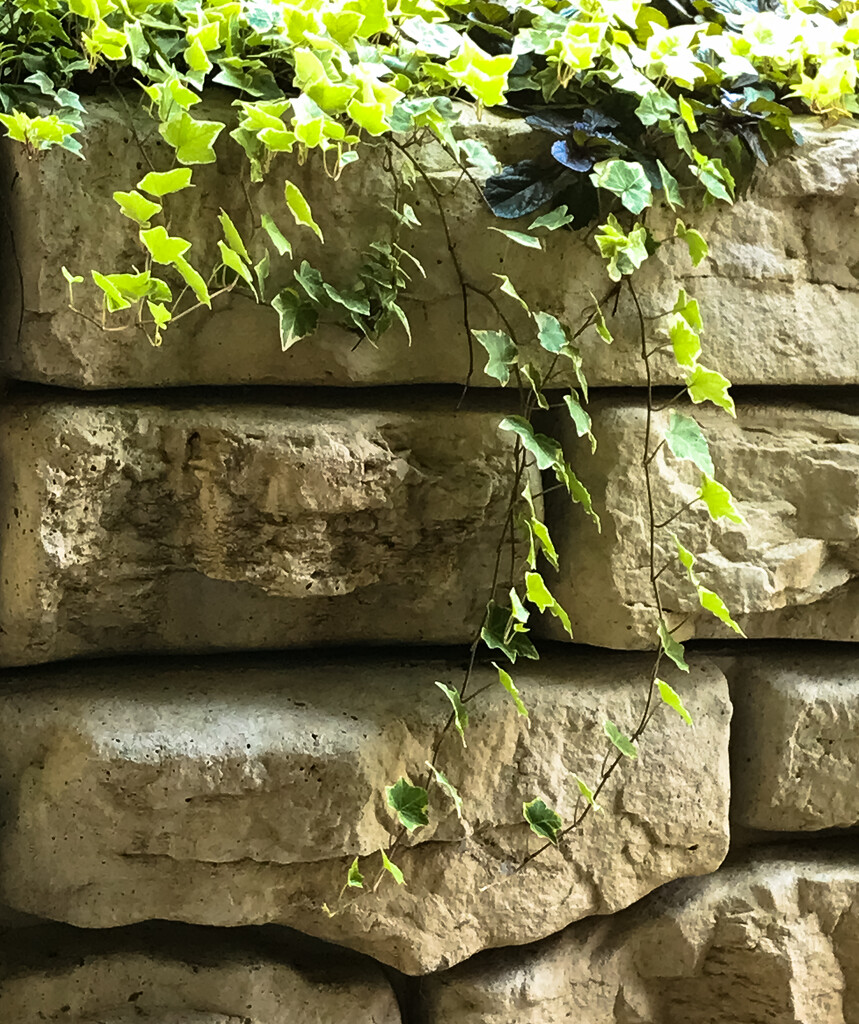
(672, 699)
(162, 183)
(392, 869)
(300, 209)
(506, 681)
(587, 793)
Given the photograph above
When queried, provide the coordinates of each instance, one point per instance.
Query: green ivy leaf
(508, 289)
(300, 209)
(460, 712)
(297, 317)
(448, 787)
(232, 236)
(541, 532)
(136, 207)
(710, 386)
(711, 602)
(192, 140)
(695, 241)
(622, 742)
(554, 219)
(672, 699)
(164, 248)
(483, 75)
(497, 637)
(551, 334)
(519, 237)
(719, 500)
(546, 451)
(544, 822)
(626, 180)
(687, 559)
(686, 440)
(581, 419)
(162, 183)
(684, 341)
(670, 186)
(502, 353)
(194, 280)
(540, 595)
(392, 869)
(113, 297)
(587, 793)
(410, 803)
(354, 878)
(506, 681)
(281, 243)
(673, 649)
(231, 259)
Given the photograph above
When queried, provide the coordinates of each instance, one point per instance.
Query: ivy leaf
(711, 602)
(520, 612)
(519, 189)
(448, 787)
(193, 140)
(162, 183)
(710, 386)
(672, 699)
(541, 532)
(392, 869)
(544, 822)
(506, 681)
(540, 595)
(480, 157)
(494, 634)
(551, 335)
(507, 287)
(587, 793)
(136, 207)
(686, 440)
(231, 234)
(160, 314)
(546, 451)
(231, 259)
(554, 219)
(164, 248)
(502, 353)
(520, 238)
(483, 75)
(687, 559)
(194, 280)
(460, 712)
(281, 243)
(623, 743)
(673, 649)
(354, 878)
(695, 241)
(581, 419)
(113, 297)
(670, 186)
(689, 310)
(300, 208)
(410, 803)
(626, 180)
(684, 341)
(719, 500)
(297, 317)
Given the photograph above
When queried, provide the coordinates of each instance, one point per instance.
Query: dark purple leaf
(577, 158)
(520, 189)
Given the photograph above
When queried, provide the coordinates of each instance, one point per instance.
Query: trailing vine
(633, 105)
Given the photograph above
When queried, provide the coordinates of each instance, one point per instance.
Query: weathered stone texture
(182, 976)
(790, 570)
(143, 527)
(773, 939)
(795, 740)
(780, 291)
(240, 794)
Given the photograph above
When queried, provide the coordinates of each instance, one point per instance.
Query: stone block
(773, 937)
(779, 294)
(791, 569)
(239, 792)
(183, 976)
(175, 527)
(795, 739)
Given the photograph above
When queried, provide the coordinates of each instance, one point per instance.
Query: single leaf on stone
(673, 649)
(300, 208)
(162, 183)
(541, 532)
(136, 207)
(232, 236)
(507, 287)
(480, 157)
(544, 822)
(193, 140)
(160, 314)
(686, 440)
(546, 451)
(626, 180)
(623, 743)
(587, 793)
(554, 219)
(281, 243)
(410, 803)
(164, 248)
(670, 186)
(460, 712)
(297, 317)
(194, 280)
(354, 878)
(540, 595)
(392, 869)
(550, 333)
(695, 242)
(710, 386)
(687, 559)
(672, 699)
(502, 353)
(113, 297)
(688, 309)
(581, 419)
(684, 341)
(520, 238)
(506, 681)
(494, 633)
(711, 602)
(230, 258)
(719, 500)
(520, 612)
(448, 787)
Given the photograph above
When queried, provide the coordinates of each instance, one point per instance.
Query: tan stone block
(239, 792)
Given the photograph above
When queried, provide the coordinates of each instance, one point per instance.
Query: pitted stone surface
(773, 939)
(791, 569)
(233, 794)
(779, 294)
(182, 976)
(795, 739)
(144, 527)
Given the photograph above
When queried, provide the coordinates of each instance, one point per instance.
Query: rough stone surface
(780, 293)
(183, 976)
(790, 570)
(239, 794)
(143, 527)
(795, 740)
(772, 939)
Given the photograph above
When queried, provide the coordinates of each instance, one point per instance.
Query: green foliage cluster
(633, 105)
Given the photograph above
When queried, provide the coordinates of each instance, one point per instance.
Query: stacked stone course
(222, 613)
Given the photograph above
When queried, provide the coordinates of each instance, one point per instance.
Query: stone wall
(222, 612)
